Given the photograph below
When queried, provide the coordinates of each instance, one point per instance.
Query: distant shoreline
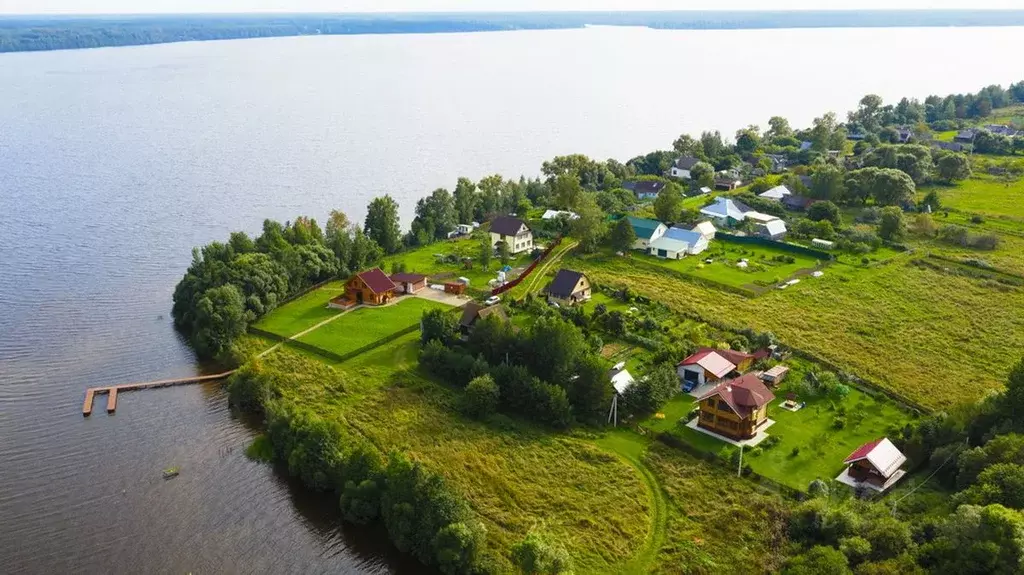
(68, 32)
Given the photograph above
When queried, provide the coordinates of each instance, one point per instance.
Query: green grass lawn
(368, 324)
(984, 195)
(423, 260)
(762, 268)
(302, 313)
(822, 447)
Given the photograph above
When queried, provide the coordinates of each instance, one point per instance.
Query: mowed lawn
(302, 313)
(934, 337)
(369, 324)
(821, 446)
(424, 260)
(761, 267)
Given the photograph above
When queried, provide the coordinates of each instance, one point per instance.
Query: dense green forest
(23, 34)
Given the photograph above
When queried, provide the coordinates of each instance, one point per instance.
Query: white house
(646, 231)
(726, 210)
(772, 230)
(776, 193)
(677, 243)
(682, 166)
(553, 214)
(706, 229)
(464, 229)
(514, 232)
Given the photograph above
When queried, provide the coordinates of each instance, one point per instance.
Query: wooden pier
(112, 391)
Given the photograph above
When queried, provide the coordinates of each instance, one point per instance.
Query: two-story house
(514, 232)
(736, 408)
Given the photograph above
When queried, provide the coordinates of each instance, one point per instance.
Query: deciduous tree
(381, 223)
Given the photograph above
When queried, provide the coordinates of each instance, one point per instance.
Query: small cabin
(409, 283)
(371, 287)
(569, 288)
(875, 465)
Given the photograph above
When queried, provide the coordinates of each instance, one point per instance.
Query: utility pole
(739, 466)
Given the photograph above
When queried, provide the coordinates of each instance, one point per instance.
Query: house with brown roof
(736, 408)
(569, 288)
(708, 365)
(875, 465)
(473, 312)
(370, 287)
(409, 283)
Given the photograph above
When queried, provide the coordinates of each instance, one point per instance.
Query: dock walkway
(113, 390)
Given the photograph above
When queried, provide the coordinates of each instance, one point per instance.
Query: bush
(481, 397)
(795, 452)
(856, 549)
(838, 422)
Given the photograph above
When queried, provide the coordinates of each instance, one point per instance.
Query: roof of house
(951, 146)
(744, 394)
(776, 193)
(710, 360)
(686, 162)
(705, 228)
(805, 145)
(552, 214)
(376, 280)
(759, 217)
(881, 454)
(689, 236)
(774, 227)
(795, 202)
(621, 380)
(670, 244)
(564, 283)
(777, 371)
(474, 311)
(648, 187)
(705, 190)
(507, 225)
(642, 227)
(409, 278)
(734, 355)
(726, 208)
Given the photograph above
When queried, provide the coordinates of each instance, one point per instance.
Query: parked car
(492, 300)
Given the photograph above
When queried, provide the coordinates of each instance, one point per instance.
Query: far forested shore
(41, 33)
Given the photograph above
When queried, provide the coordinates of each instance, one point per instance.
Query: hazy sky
(167, 6)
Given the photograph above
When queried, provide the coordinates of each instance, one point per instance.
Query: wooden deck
(112, 391)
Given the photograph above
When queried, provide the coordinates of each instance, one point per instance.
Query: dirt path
(629, 448)
(543, 270)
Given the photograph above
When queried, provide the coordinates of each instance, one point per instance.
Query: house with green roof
(646, 231)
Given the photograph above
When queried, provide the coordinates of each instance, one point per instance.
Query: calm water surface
(115, 162)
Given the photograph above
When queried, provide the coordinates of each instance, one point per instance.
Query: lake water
(115, 162)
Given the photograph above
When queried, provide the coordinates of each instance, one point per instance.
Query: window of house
(723, 405)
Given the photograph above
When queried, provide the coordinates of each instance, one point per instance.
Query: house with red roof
(708, 365)
(736, 408)
(875, 465)
(370, 287)
(408, 283)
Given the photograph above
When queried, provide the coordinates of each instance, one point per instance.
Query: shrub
(856, 549)
(481, 397)
(838, 422)
(976, 219)
(795, 452)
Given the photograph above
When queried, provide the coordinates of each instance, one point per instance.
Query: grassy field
(302, 313)
(717, 523)
(984, 195)
(516, 477)
(369, 324)
(936, 338)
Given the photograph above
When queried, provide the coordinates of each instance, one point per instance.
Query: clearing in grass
(302, 313)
